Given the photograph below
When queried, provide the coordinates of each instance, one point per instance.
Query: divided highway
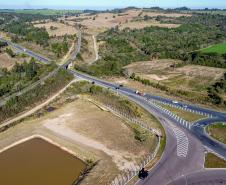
(184, 152)
(173, 163)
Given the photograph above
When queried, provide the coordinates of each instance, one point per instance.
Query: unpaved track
(95, 48)
(33, 110)
(57, 125)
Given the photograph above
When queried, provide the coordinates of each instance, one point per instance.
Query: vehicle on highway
(143, 174)
(175, 102)
(139, 93)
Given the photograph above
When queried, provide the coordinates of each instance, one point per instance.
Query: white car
(175, 102)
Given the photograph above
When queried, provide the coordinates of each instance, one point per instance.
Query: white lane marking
(182, 142)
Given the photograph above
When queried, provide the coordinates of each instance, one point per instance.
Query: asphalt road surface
(174, 163)
(184, 152)
(206, 177)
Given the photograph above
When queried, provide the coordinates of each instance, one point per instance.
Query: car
(174, 101)
(121, 85)
(185, 106)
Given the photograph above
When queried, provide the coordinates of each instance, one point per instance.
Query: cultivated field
(57, 28)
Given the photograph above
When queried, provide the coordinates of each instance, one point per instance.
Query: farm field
(218, 48)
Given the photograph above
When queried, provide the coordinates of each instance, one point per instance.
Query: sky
(103, 4)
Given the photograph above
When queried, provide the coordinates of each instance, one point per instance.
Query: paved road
(206, 177)
(42, 59)
(184, 152)
(22, 49)
(179, 158)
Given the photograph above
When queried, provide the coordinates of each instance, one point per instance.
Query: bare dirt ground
(60, 29)
(90, 133)
(148, 67)
(8, 62)
(84, 123)
(162, 70)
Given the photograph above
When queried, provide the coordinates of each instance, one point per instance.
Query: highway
(4, 99)
(184, 152)
(22, 49)
(172, 166)
(202, 178)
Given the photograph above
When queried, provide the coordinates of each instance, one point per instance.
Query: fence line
(126, 177)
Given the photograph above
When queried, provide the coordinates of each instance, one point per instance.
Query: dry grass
(88, 131)
(188, 116)
(189, 77)
(149, 89)
(8, 62)
(102, 21)
(143, 24)
(60, 28)
(171, 15)
(217, 131)
(87, 52)
(212, 161)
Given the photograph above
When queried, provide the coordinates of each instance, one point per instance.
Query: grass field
(218, 131)
(218, 48)
(212, 161)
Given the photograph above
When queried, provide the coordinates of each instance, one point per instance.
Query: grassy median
(188, 116)
(218, 132)
(212, 161)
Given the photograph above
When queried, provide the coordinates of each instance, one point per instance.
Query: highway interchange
(183, 159)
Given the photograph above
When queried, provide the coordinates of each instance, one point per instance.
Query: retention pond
(38, 162)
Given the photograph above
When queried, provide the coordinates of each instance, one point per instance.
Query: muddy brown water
(37, 162)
